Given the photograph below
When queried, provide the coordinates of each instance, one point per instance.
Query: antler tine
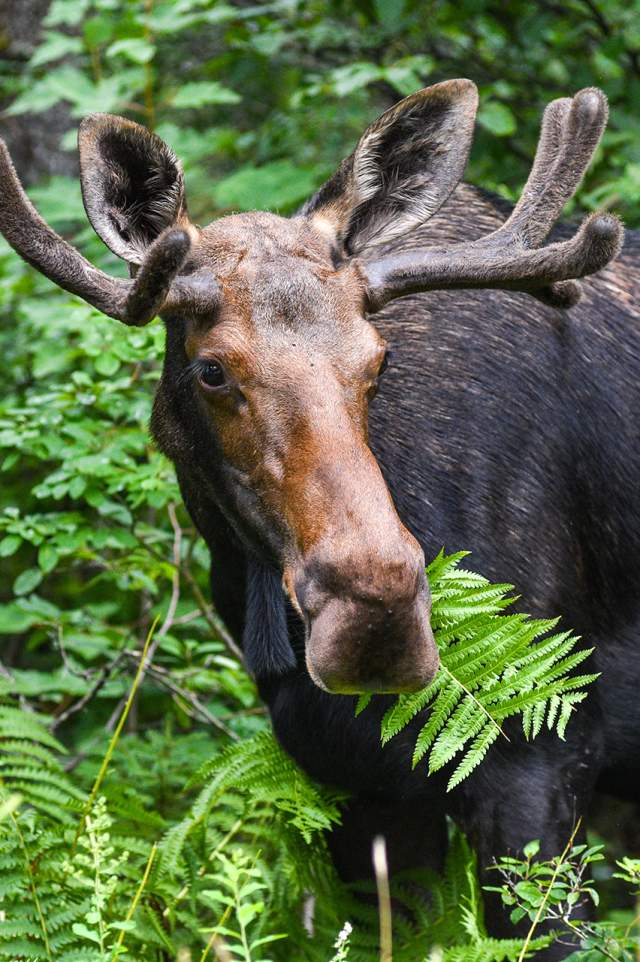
(508, 257)
(150, 289)
(156, 287)
(475, 265)
(40, 246)
(571, 130)
(135, 302)
(552, 132)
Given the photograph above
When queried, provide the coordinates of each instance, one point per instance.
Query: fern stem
(474, 700)
(241, 922)
(32, 886)
(237, 825)
(116, 735)
(136, 899)
(545, 899)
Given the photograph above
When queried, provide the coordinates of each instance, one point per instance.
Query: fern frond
(30, 765)
(493, 666)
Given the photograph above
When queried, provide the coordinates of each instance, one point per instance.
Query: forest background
(260, 101)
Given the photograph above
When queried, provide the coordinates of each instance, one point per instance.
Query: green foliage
(30, 765)
(551, 891)
(261, 102)
(493, 666)
(258, 86)
(231, 875)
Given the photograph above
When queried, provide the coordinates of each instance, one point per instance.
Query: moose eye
(212, 374)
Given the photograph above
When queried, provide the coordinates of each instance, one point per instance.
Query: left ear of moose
(132, 184)
(404, 168)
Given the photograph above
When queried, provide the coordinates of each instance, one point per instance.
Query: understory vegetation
(146, 812)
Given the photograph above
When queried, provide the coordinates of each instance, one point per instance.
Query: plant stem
(136, 899)
(381, 870)
(115, 736)
(542, 905)
(32, 886)
(474, 700)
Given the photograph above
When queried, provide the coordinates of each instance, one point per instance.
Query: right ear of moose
(132, 184)
(404, 168)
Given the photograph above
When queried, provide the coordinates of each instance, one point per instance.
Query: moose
(403, 364)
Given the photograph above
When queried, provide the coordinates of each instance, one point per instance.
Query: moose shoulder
(505, 422)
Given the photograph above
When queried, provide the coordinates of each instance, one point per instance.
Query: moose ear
(132, 184)
(404, 168)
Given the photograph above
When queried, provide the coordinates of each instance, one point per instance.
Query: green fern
(30, 765)
(262, 769)
(493, 666)
(243, 843)
(257, 806)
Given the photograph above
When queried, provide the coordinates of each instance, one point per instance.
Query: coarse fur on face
(265, 395)
(282, 446)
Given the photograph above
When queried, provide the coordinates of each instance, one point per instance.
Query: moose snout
(368, 627)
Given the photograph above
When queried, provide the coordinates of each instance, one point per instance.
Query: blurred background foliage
(261, 102)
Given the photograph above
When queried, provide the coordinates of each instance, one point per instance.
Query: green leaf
(203, 92)
(9, 545)
(280, 184)
(14, 619)
(493, 665)
(363, 701)
(26, 581)
(497, 118)
(54, 47)
(47, 558)
(68, 13)
(79, 928)
(135, 49)
(107, 364)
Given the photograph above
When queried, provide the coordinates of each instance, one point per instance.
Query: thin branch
(208, 613)
(175, 588)
(77, 706)
(163, 678)
(212, 618)
(136, 899)
(85, 673)
(114, 738)
(188, 618)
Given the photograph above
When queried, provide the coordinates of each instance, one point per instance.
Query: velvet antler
(510, 257)
(155, 287)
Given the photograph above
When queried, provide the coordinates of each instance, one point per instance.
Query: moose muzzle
(367, 619)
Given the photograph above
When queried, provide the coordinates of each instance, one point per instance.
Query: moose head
(273, 357)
